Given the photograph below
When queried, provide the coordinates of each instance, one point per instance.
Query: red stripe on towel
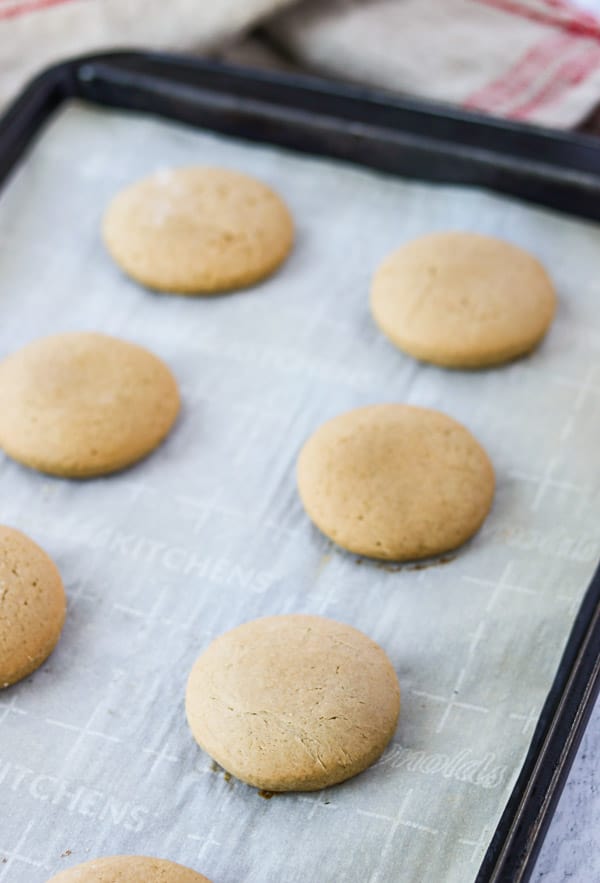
(17, 9)
(519, 77)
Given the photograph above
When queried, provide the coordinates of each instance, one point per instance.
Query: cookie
(128, 869)
(198, 230)
(32, 606)
(462, 300)
(395, 482)
(83, 404)
(293, 703)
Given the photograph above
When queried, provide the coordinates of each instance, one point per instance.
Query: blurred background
(532, 60)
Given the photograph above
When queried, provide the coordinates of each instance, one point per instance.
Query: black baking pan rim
(407, 137)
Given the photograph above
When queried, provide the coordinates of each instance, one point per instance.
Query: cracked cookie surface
(462, 300)
(198, 230)
(395, 482)
(293, 702)
(32, 606)
(128, 869)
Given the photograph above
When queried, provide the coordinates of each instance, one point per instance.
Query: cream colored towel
(37, 33)
(533, 60)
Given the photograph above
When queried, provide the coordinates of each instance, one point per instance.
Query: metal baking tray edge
(414, 139)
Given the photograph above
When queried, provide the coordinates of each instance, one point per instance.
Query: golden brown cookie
(463, 300)
(32, 606)
(395, 482)
(198, 230)
(293, 703)
(84, 404)
(128, 869)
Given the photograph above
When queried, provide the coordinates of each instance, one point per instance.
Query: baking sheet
(95, 754)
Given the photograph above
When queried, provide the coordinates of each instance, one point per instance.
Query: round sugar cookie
(395, 482)
(128, 869)
(32, 606)
(462, 300)
(293, 703)
(83, 404)
(198, 230)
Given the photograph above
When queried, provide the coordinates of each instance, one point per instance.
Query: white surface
(571, 850)
(95, 755)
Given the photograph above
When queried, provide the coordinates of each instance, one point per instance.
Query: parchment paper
(95, 754)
